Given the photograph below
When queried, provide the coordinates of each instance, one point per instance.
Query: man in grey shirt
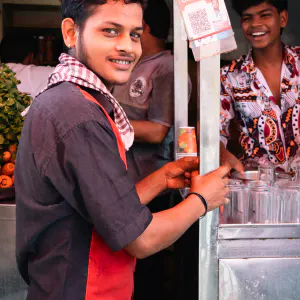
(148, 96)
(148, 100)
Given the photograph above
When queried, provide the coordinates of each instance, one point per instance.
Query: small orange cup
(187, 142)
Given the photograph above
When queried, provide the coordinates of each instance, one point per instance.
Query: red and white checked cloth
(70, 69)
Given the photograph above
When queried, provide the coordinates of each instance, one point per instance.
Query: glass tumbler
(236, 212)
(297, 174)
(288, 198)
(261, 203)
(267, 173)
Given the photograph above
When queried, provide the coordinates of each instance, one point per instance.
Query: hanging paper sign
(204, 18)
(207, 22)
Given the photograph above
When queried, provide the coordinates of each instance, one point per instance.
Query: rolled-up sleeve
(88, 172)
(161, 107)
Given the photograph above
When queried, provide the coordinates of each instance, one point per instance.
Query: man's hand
(227, 159)
(177, 173)
(212, 186)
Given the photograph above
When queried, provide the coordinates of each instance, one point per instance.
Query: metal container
(12, 286)
(7, 193)
(252, 175)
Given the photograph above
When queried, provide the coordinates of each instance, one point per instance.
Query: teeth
(258, 33)
(122, 62)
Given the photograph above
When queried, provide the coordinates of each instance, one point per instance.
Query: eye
(135, 35)
(111, 31)
(245, 19)
(266, 15)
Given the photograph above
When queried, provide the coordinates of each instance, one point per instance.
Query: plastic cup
(187, 142)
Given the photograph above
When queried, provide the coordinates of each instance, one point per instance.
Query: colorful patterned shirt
(268, 133)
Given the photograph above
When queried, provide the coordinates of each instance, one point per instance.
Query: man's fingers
(239, 167)
(189, 163)
(195, 173)
(225, 180)
(187, 175)
(223, 171)
(187, 182)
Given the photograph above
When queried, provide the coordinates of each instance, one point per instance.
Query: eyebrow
(259, 13)
(120, 26)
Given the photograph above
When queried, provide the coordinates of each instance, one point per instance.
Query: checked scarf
(70, 69)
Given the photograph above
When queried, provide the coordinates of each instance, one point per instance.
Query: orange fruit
(5, 181)
(6, 156)
(13, 178)
(8, 169)
(12, 148)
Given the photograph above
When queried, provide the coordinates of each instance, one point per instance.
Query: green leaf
(3, 116)
(2, 139)
(11, 136)
(10, 102)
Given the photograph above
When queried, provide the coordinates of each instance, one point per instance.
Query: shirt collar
(290, 59)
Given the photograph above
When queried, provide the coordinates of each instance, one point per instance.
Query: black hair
(80, 10)
(241, 5)
(15, 48)
(157, 16)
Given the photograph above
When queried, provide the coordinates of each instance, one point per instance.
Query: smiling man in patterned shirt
(260, 91)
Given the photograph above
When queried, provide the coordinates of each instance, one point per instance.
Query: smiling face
(262, 25)
(109, 43)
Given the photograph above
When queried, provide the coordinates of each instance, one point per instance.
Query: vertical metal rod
(180, 72)
(208, 121)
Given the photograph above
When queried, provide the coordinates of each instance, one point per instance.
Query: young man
(260, 91)
(81, 220)
(18, 53)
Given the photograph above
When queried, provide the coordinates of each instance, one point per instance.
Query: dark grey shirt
(149, 96)
(70, 179)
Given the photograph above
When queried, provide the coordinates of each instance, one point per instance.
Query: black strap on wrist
(202, 200)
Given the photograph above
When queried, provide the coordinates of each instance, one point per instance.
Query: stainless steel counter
(259, 262)
(12, 286)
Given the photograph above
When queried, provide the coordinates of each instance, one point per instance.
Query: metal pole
(180, 72)
(208, 121)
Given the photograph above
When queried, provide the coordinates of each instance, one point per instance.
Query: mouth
(258, 35)
(122, 63)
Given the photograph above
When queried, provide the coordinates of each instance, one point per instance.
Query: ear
(68, 29)
(284, 16)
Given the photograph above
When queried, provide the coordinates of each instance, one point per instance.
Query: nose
(256, 21)
(124, 43)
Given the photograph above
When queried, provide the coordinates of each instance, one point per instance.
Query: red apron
(110, 274)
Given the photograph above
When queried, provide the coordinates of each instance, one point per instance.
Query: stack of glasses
(267, 200)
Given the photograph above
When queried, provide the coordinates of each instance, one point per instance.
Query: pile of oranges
(7, 167)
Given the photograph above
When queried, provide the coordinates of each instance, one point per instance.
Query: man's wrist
(202, 199)
(200, 205)
(164, 170)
